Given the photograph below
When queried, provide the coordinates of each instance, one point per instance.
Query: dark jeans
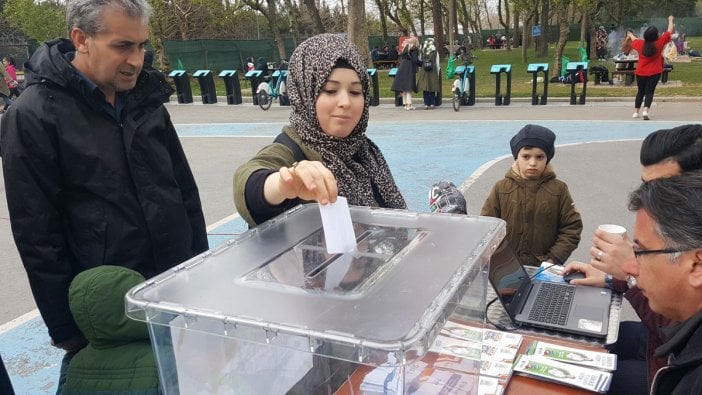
(64, 370)
(429, 98)
(630, 376)
(5, 383)
(647, 86)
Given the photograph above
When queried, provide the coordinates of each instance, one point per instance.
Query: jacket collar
(685, 341)
(513, 174)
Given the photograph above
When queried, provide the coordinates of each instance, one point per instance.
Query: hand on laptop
(593, 276)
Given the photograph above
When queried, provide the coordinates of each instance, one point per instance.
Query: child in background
(543, 224)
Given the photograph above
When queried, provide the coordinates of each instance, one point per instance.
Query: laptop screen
(507, 276)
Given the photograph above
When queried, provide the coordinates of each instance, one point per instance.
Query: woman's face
(340, 104)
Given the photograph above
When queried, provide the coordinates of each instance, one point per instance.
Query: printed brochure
(592, 359)
(563, 373)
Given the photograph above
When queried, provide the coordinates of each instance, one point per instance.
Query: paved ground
(600, 174)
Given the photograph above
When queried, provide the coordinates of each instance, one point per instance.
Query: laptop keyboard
(552, 303)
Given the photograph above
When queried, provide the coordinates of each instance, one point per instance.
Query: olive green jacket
(118, 359)
(271, 157)
(542, 221)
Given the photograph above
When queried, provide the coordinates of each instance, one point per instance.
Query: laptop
(566, 308)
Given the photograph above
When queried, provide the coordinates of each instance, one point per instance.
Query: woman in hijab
(650, 65)
(428, 80)
(329, 93)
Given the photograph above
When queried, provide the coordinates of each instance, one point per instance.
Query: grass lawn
(689, 74)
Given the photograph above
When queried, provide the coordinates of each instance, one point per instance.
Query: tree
(314, 14)
(357, 32)
(563, 29)
(270, 12)
(41, 21)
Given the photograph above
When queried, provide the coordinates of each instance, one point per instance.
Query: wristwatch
(608, 281)
(631, 281)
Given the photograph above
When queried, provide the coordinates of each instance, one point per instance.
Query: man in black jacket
(94, 171)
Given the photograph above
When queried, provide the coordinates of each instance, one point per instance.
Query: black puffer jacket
(85, 190)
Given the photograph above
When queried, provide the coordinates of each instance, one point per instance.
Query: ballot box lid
(277, 279)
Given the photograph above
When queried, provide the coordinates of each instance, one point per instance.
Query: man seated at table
(668, 251)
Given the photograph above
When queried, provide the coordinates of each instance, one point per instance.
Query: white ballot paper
(338, 229)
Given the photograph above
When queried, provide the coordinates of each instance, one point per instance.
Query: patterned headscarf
(356, 161)
(428, 47)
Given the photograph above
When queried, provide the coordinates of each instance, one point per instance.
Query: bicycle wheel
(263, 100)
(457, 99)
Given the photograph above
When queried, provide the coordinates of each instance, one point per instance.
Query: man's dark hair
(683, 144)
(674, 205)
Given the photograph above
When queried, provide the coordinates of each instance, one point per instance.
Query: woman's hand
(306, 180)
(593, 277)
(613, 254)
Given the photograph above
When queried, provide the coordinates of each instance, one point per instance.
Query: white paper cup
(613, 229)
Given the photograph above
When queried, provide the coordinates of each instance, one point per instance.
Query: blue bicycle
(272, 88)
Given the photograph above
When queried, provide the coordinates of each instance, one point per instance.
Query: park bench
(625, 74)
(628, 75)
(385, 64)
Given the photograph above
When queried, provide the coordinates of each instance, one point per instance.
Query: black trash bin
(535, 69)
(182, 85)
(255, 77)
(375, 88)
(207, 86)
(497, 70)
(231, 86)
(578, 71)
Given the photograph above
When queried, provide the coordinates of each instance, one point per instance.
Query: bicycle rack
(182, 85)
(207, 86)
(498, 69)
(470, 100)
(277, 74)
(398, 97)
(574, 67)
(375, 92)
(255, 77)
(231, 85)
(535, 69)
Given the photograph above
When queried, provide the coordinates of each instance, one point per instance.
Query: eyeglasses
(638, 253)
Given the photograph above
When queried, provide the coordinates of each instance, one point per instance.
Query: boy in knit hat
(543, 224)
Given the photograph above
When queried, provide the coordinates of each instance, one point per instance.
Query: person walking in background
(650, 65)
(329, 93)
(94, 171)
(543, 224)
(11, 68)
(405, 80)
(428, 78)
(262, 65)
(601, 38)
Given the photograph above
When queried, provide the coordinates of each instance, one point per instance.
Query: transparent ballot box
(271, 312)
